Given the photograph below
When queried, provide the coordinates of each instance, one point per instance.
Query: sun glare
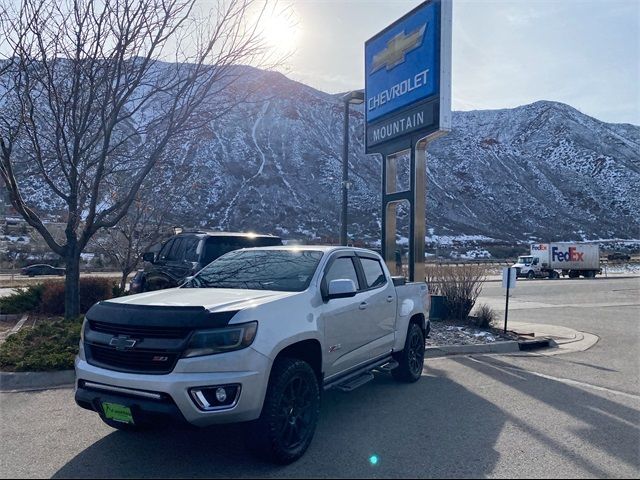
(280, 31)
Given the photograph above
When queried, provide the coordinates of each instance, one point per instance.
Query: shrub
(92, 290)
(461, 285)
(23, 300)
(485, 316)
(50, 345)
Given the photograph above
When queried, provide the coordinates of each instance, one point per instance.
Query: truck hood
(212, 299)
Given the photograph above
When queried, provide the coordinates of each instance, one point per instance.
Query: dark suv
(186, 253)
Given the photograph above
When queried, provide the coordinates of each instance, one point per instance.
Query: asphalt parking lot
(574, 415)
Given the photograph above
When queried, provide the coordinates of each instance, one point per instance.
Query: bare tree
(142, 226)
(90, 105)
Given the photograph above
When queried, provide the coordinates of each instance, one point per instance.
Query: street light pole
(345, 176)
(354, 97)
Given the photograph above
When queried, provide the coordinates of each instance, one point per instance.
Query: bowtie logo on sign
(397, 48)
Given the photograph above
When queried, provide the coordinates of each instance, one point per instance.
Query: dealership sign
(408, 77)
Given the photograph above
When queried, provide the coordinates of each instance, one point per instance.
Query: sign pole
(506, 308)
(407, 105)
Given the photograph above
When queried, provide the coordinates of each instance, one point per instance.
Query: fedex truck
(550, 260)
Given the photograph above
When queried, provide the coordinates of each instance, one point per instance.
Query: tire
(554, 275)
(531, 275)
(574, 274)
(289, 415)
(411, 358)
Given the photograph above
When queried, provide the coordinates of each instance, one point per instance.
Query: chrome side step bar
(362, 375)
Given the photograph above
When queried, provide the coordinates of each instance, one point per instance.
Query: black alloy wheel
(411, 358)
(416, 353)
(289, 415)
(295, 413)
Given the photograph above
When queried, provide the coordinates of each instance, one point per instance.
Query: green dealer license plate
(118, 413)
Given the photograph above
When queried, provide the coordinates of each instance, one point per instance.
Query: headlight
(220, 340)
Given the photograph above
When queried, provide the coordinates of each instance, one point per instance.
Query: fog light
(215, 397)
(221, 395)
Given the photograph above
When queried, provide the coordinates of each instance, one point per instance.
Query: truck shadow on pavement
(604, 426)
(434, 428)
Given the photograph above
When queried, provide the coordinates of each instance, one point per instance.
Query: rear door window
(373, 272)
(216, 248)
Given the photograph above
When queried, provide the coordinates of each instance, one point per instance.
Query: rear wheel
(289, 415)
(411, 358)
(573, 274)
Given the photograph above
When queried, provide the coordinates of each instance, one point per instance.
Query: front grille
(518, 270)
(133, 361)
(138, 331)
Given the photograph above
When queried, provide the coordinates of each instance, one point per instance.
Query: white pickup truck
(253, 337)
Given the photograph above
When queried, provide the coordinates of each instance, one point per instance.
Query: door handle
(363, 306)
(389, 299)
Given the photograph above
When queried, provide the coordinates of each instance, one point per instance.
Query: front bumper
(251, 372)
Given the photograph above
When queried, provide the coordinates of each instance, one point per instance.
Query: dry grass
(461, 285)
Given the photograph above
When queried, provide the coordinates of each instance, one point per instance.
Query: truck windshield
(525, 260)
(281, 270)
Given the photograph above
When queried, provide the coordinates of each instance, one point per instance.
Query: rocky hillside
(543, 171)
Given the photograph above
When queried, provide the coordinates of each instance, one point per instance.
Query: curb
(497, 347)
(24, 381)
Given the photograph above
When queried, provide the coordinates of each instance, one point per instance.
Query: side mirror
(149, 257)
(341, 288)
(187, 281)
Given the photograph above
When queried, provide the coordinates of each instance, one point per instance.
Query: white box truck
(551, 260)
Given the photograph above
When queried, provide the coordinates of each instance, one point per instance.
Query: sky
(506, 53)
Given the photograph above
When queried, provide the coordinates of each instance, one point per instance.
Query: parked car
(253, 337)
(187, 253)
(42, 269)
(618, 256)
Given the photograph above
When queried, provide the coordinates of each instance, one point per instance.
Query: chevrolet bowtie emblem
(396, 49)
(122, 342)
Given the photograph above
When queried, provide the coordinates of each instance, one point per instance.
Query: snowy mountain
(543, 171)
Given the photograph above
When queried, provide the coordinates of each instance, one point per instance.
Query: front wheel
(289, 415)
(411, 358)
(531, 275)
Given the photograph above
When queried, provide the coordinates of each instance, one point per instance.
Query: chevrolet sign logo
(397, 48)
(122, 342)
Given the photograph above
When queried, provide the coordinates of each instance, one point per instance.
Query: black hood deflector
(158, 315)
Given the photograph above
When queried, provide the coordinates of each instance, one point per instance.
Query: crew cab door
(359, 328)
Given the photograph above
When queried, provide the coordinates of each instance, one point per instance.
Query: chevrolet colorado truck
(253, 337)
